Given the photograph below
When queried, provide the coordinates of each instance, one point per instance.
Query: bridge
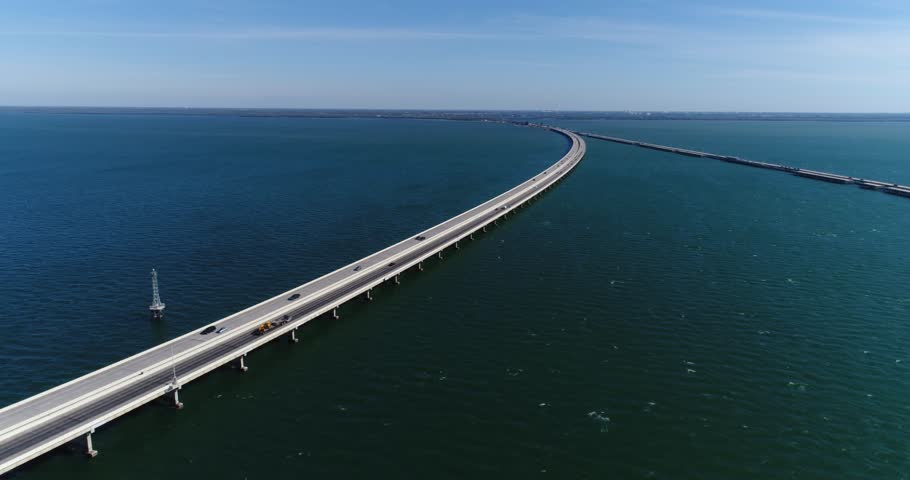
(886, 187)
(37, 425)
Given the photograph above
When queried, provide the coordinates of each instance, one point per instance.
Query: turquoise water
(654, 316)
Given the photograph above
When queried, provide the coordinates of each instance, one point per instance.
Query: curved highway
(40, 423)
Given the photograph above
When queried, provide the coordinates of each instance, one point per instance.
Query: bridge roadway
(38, 424)
(887, 187)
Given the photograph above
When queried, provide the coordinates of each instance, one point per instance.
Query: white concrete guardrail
(40, 423)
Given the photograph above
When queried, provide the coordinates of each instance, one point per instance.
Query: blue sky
(737, 55)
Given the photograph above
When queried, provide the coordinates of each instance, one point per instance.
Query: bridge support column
(484, 228)
(439, 254)
(495, 221)
(420, 266)
(243, 366)
(397, 281)
(456, 246)
(370, 294)
(89, 451)
(472, 235)
(294, 338)
(177, 403)
(335, 313)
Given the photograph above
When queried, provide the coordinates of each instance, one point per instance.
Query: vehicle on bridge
(264, 327)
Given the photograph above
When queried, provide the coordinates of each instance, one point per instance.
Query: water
(654, 316)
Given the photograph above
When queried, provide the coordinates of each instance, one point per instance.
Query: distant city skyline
(645, 55)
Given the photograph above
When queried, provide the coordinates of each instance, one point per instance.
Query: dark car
(421, 237)
(391, 264)
(357, 268)
(220, 330)
(207, 330)
(294, 297)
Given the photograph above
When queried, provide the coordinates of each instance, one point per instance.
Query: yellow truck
(264, 327)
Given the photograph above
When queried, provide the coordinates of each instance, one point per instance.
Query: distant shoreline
(464, 114)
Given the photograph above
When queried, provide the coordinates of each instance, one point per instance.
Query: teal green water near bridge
(652, 317)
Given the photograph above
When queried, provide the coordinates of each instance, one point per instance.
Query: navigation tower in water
(156, 307)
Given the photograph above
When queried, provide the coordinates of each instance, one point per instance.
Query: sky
(642, 55)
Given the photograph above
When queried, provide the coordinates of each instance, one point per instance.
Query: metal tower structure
(157, 308)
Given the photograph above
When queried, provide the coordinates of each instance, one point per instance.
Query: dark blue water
(229, 210)
(654, 316)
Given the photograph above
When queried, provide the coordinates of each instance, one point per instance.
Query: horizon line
(460, 110)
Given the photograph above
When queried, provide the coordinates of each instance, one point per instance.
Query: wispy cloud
(588, 28)
(807, 77)
(278, 34)
(517, 27)
(803, 17)
(523, 63)
(881, 45)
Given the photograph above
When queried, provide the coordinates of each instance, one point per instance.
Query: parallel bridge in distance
(887, 187)
(38, 424)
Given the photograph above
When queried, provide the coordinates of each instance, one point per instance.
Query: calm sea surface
(654, 316)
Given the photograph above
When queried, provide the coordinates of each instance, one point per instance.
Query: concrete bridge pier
(456, 246)
(370, 294)
(243, 366)
(420, 266)
(484, 228)
(177, 403)
(472, 235)
(439, 254)
(89, 451)
(397, 281)
(294, 338)
(335, 313)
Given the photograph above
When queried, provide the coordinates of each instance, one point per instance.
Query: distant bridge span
(887, 187)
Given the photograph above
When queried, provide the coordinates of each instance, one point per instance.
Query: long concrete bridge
(887, 187)
(38, 424)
